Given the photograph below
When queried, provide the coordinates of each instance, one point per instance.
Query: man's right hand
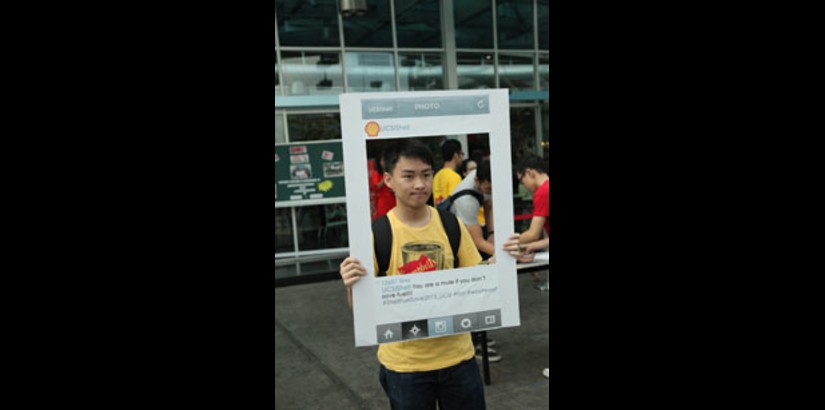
(512, 245)
(351, 270)
(520, 251)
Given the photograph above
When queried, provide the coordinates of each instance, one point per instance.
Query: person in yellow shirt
(419, 373)
(447, 178)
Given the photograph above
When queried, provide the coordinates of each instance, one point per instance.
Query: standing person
(370, 177)
(532, 173)
(417, 374)
(447, 178)
(383, 195)
(466, 166)
(466, 207)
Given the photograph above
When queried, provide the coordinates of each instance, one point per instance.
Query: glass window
(313, 127)
(515, 71)
(522, 132)
(307, 23)
(322, 227)
(545, 130)
(370, 71)
(284, 241)
(544, 23)
(544, 72)
(280, 129)
(514, 19)
(475, 70)
(473, 23)
(311, 72)
(277, 80)
(418, 23)
(421, 71)
(373, 29)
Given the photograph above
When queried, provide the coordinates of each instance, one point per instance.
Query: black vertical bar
(485, 360)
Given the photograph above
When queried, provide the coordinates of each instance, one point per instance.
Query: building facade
(395, 45)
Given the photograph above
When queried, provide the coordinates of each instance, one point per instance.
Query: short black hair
(462, 168)
(532, 162)
(483, 171)
(450, 148)
(406, 147)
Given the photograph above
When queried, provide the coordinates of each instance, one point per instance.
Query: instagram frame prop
(443, 302)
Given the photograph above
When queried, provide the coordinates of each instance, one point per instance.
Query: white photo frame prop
(444, 302)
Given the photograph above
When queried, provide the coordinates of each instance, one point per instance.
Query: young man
(466, 208)
(447, 178)
(417, 374)
(531, 173)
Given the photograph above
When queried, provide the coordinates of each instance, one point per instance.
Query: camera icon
(441, 326)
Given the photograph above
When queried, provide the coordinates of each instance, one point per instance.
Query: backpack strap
(477, 195)
(382, 243)
(447, 203)
(450, 223)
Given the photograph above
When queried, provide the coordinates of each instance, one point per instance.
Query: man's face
(412, 182)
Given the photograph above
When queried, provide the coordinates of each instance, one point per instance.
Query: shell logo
(372, 128)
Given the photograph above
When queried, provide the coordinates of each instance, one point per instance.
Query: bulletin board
(309, 173)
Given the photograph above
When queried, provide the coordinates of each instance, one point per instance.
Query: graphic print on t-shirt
(421, 257)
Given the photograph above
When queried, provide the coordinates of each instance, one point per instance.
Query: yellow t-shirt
(439, 352)
(444, 182)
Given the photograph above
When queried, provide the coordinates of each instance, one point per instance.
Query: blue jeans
(453, 388)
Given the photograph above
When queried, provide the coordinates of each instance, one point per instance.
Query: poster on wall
(438, 301)
(308, 172)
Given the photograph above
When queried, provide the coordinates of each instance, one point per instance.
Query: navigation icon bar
(439, 326)
(414, 330)
(465, 322)
(389, 333)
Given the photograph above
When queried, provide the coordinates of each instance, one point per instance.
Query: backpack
(382, 239)
(447, 203)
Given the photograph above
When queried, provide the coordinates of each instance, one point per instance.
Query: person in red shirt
(383, 197)
(532, 173)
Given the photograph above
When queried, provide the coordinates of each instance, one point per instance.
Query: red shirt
(383, 196)
(541, 204)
